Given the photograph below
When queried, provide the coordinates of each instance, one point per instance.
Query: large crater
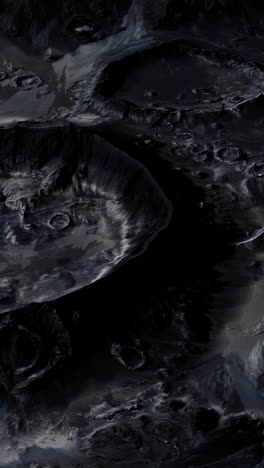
(181, 75)
(73, 208)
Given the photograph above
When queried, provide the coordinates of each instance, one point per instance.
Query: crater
(26, 82)
(195, 77)
(74, 209)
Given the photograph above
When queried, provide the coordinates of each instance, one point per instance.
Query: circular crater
(72, 209)
(26, 81)
(195, 78)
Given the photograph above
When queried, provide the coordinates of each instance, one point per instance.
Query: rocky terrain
(132, 266)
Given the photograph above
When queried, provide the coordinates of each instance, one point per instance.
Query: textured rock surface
(160, 363)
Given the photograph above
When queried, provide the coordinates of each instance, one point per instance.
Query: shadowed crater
(196, 77)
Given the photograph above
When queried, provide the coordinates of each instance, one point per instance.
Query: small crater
(59, 221)
(3, 76)
(229, 155)
(129, 356)
(26, 82)
(234, 99)
(182, 139)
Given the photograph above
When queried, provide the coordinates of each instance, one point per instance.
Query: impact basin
(73, 208)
